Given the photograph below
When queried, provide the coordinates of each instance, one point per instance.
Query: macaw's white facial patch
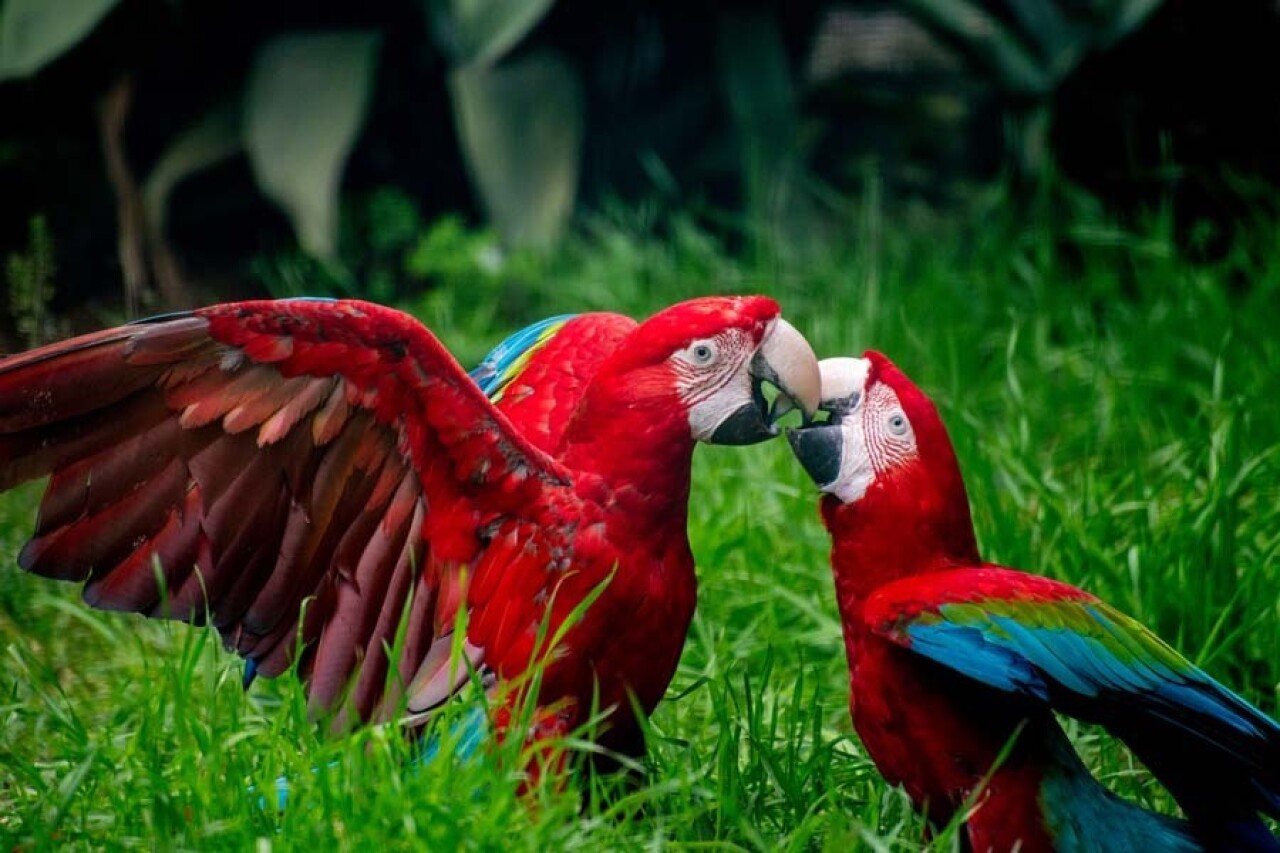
(878, 438)
(856, 472)
(843, 380)
(713, 379)
(843, 384)
(875, 434)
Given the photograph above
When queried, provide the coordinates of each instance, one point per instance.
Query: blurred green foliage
(389, 252)
(30, 276)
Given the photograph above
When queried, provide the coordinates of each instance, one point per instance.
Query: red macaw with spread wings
(304, 474)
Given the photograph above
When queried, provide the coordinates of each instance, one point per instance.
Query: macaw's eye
(897, 423)
(703, 353)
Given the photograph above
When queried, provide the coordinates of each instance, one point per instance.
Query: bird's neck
(896, 530)
(636, 462)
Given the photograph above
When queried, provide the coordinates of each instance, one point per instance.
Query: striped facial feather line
(696, 384)
(887, 451)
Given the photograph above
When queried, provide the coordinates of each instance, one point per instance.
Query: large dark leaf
(36, 32)
(481, 31)
(306, 103)
(1039, 43)
(1004, 57)
(520, 124)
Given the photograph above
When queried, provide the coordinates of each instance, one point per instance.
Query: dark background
(690, 105)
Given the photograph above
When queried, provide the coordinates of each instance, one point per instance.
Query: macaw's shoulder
(537, 376)
(506, 361)
(1023, 633)
(986, 587)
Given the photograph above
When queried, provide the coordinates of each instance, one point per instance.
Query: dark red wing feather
(258, 461)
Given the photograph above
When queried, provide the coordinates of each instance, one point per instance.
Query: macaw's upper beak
(785, 360)
(820, 447)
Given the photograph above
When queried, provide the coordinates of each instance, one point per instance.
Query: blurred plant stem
(143, 251)
(113, 113)
(1027, 128)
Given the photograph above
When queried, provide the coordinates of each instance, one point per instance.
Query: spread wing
(537, 376)
(1058, 645)
(281, 467)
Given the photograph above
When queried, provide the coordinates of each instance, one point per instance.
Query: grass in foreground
(1117, 414)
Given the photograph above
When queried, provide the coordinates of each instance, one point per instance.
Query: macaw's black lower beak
(746, 424)
(786, 361)
(819, 449)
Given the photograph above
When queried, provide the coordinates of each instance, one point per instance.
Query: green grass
(1117, 415)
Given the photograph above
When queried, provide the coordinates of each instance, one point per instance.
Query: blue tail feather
(462, 741)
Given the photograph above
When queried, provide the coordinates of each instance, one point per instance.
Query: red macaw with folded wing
(306, 473)
(957, 665)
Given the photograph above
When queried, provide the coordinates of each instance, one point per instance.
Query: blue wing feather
(1221, 704)
(966, 650)
(1217, 753)
(1125, 638)
(505, 361)
(1081, 650)
(1047, 650)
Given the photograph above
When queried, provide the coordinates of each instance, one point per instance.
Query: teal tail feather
(463, 739)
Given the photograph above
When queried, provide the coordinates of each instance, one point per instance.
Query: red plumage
(309, 469)
(542, 399)
(957, 665)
